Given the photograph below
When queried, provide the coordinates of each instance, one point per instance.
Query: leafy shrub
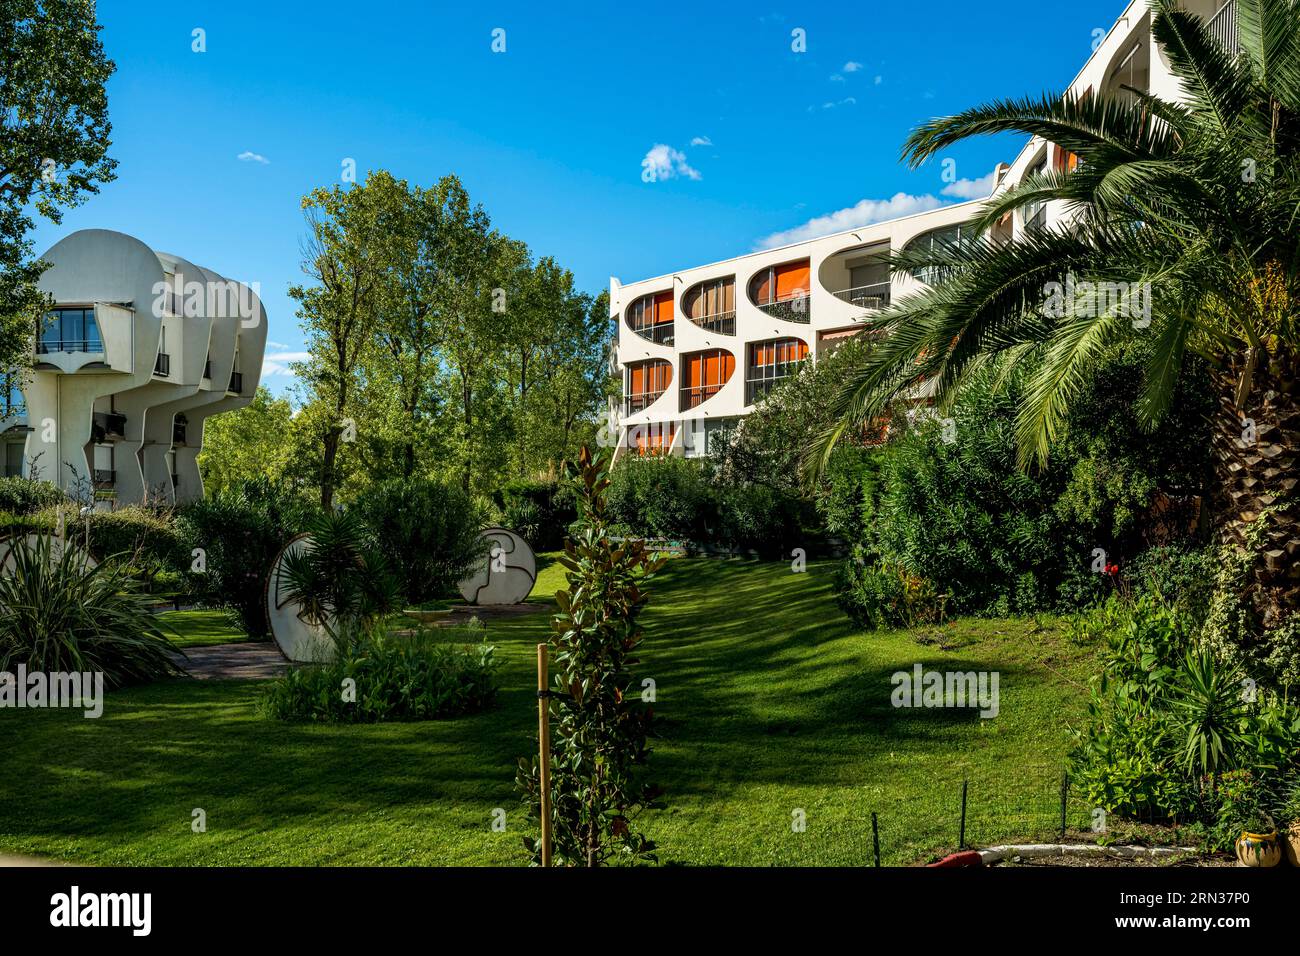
(148, 538)
(661, 496)
(1177, 576)
(420, 677)
(756, 518)
(539, 511)
(60, 612)
(601, 726)
(25, 496)
(429, 531)
(241, 529)
(880, 595)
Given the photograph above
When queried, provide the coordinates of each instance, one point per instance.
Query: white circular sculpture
(297, 639)
(57, 546)
(506, 575)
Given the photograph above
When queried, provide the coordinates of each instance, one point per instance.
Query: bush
(756, 518)
(538, 511)
(241, 529)
(421, 677)
(24, 496)
(148, 539)
(60, 613)
(661, 496)
(430, 532)
(880, 595)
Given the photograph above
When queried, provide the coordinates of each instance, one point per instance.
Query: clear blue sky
(551, 134)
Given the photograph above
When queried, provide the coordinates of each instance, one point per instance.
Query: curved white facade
(672, 413)
(114, 408)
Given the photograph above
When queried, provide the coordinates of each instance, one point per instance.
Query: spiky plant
(60, 611)
(1196, 203)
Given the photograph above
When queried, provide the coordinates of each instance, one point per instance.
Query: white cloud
(279, 363)
(248, 156)
(833, 104)
(664, 162)
(878, 80)
(852, 66)
(863, 213)
(701, 141)
(836, 78)
(971, 188)
(276, 345)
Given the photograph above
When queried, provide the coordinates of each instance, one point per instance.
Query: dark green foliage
(539, 511)
(428, 529)
(879, 594)
(148, 539)
(418, 677)
(600, 724)
(952, 506)
(23, 496)
(661, 496)
(61, 612)
(240, 530)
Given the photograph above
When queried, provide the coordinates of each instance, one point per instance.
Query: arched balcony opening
(651, 438)
(953, 238)
(651, 317)
(703, 375)
(712, 305)
(859, 276)
(1130, 70)
(771, 362)
(783, 291)
(644, 383)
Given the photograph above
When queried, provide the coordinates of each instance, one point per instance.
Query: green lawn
(771, 704)
(201, 627)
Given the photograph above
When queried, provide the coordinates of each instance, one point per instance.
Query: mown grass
(202, 627)
(771, 703)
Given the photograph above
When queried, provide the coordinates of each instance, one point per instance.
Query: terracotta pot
(1259, 849)
(1291, 844)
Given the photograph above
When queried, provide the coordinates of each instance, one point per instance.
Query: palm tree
(1194, 204)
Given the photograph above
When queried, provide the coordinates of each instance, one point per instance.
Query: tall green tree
(1190, 206)
(54, 139)
(347, 254)
(255, 441)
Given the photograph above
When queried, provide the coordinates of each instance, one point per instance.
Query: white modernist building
(697, 348)
(138, 349)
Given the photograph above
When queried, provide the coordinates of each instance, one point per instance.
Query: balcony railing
(698, 395)
(796, 308)
(1223, 27)
(1036, 219)
(45, 347)
(874, 296)
(178, 433)
(723, 323)
(639, 401)
(236, 382)
(163, 366)
(660, 333)
(106, 425)
(104, 476)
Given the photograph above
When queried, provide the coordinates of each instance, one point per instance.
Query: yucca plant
(59, 611)
(1208, 706)
(341, 582)
(1195, 206)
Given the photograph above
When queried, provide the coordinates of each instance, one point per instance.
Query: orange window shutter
(760, 288)
(728, 366)
(663, 308)
(792, 280)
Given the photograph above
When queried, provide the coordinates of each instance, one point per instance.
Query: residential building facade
(698, 348)
(137, 351)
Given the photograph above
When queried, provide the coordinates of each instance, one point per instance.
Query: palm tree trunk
(1257, 451)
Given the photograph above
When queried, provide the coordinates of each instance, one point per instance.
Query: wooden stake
(544, 747)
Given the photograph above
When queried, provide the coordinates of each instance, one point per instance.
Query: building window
(646, 381)
(14, 459)
(943, 241)
(704, 374)
(783, 291)
(771, 362)
(712, 305)
(651, 317)
(70, 330)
